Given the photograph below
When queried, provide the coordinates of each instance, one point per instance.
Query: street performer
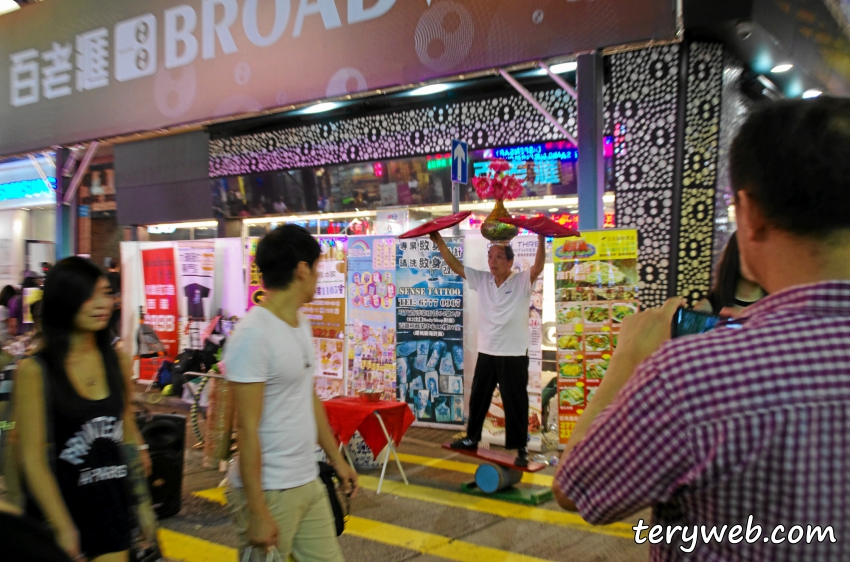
(504, 299)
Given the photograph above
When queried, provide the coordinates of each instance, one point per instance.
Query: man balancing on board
(504, 299)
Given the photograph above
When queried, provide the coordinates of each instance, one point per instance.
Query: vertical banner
(31, 296)
(429, 321)
(252, 273)
(372, 315)
(197, 275)
(160, 304)
(525, 251)
(596, 284)
(327, 315)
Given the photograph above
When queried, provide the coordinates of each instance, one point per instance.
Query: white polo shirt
(502, 312)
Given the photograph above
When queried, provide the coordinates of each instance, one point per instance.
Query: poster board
(596, 286)
(327, 315)
(197, 280)
(371, 330)
(429, 323)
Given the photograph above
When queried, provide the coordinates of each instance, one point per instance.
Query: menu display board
(596, 285)
(429, 312)
(371, 333)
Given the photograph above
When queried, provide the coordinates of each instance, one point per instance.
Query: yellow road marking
(428, 543)
(186, 548)
(470, 468)
(473, 503)
(190, 549)
(495, 507)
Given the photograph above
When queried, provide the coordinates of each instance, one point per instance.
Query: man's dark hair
(793, 159)
(509, 252)
(280, 252)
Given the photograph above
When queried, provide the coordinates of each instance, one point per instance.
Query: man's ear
(750, 218)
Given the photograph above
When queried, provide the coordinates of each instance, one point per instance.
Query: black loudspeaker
(166, 435)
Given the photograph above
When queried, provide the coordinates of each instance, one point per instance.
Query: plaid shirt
(736, 422)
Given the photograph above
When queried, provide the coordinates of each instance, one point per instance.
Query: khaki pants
(305, 522)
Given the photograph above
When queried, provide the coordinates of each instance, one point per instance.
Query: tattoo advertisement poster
(253, 281)
(371, 330)
(326, 314)
(160, 305)
(197, 270)
(596, 285)
(429, 320)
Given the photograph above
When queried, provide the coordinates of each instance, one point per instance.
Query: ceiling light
(564, 67)
(809, 94)
(780, 68)
(553, 210)
(7, 6)
(321, 107)
(429, 90)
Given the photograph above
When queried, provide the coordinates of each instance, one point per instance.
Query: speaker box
(166, 435)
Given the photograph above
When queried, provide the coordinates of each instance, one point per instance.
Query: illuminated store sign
(26, 189)
(538, 152)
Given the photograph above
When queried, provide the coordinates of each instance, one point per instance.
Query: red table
(382, 424)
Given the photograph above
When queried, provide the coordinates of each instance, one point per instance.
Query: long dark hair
(728, 273)
(70, 283)
(6, 295)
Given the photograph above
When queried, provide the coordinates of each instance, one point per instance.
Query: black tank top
(88, 462)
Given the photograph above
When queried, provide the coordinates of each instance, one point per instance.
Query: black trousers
(511, 374)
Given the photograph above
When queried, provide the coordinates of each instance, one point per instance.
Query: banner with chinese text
(372, 314)
(596, 286)
(160, 304)
(429, 324)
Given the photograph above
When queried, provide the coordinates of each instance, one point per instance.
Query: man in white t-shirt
(275, 494)
(504, 298)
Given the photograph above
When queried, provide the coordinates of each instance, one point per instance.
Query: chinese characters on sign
(429, 322)
(327, 316)
(161, 301)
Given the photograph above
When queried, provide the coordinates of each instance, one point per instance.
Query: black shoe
(465, 444)
(521, 458)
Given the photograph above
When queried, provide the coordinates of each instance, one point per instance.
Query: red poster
(160, 304)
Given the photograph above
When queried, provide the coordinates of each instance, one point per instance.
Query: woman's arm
(132, 435)
(32, 428)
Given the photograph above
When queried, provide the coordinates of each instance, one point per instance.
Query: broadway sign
(74, 70)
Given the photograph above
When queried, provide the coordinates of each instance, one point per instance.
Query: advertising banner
(596, 285)
(327, 316)
(372, 315)
(86, 69)
(252, 272)
(197, 275)
(429, 323)
(160, 304)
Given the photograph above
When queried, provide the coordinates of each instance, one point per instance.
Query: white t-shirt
(266, 349)
(503, 312)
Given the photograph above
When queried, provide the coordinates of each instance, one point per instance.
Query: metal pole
(456, 204)
(558, 80)
(591, 159)
(524, 93)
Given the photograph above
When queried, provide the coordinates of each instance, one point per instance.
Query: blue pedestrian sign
(460, 162)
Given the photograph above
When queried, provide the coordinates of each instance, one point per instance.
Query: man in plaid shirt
(747, 426)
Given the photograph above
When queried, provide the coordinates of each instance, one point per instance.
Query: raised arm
(448, 256)
(539, 258)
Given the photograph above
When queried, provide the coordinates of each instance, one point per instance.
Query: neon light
(26, 189)
(439, 163)
(378, 168)
(539, 152)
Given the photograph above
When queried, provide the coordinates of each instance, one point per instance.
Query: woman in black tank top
(75, 395)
